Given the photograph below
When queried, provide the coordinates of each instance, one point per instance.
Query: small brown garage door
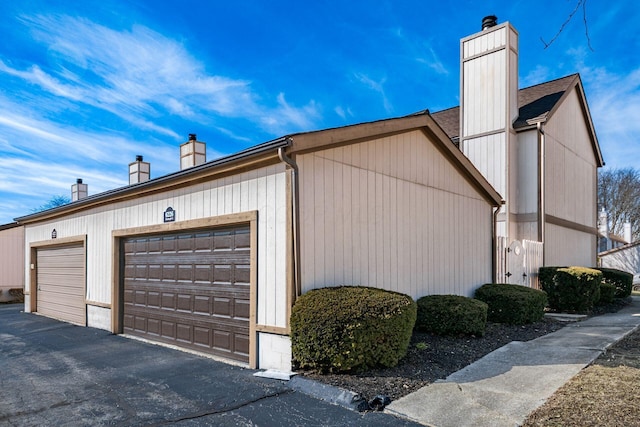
(60, 283)
(190, 289)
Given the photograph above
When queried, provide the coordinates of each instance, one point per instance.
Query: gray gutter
(241, 155)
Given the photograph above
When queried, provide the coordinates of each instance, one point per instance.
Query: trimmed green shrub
(546, 276)
(451, 315)
(621, 280)
(574, 289)
(512, 304)
(607, 294)
(350, 328)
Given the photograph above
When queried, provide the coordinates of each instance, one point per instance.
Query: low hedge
(574, 289)
(451, 315)
(621, 280)
(512, 304)
(350, 328)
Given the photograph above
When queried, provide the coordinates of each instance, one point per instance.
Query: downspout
(295, 219)
(494, 242)
(541, 192)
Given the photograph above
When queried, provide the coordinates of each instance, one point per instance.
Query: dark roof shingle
(533, 102)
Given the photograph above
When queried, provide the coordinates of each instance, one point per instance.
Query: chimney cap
(192, 137)
(138, 158)
(489, 21)
(79, 181)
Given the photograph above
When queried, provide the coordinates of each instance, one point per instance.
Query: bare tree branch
(582, 3)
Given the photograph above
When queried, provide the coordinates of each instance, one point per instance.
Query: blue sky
(86, 86)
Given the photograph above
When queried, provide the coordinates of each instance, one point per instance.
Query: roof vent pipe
(489, 21)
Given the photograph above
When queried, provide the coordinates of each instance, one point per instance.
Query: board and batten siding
(570, 174)
(392, 213)
(262, 190)
(11, 261)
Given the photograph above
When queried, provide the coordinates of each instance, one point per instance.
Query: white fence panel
(533, 260)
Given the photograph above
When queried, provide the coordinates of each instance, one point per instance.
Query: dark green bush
(350, 328)
(451, 315)
(607, 294)
(574, 289)
(621, 280)
(513, 304)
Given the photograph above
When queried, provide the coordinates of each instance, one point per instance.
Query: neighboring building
(606, 239)
(537, 146)
(11, 260)
(212, 257)
(626, 258)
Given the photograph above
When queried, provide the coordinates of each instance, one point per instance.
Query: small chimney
(489, 21)
(627, 232)
(139, 171)
(192, 153)
(79, 190)
(603, 223)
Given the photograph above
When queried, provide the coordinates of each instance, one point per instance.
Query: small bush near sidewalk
(451, 315)
(572, 289)
(350, 328)
(621, 280)
(607, 294)
(512, 304)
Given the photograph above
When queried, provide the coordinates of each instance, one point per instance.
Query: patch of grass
(422, 346)
(603, 394)
(597, 396)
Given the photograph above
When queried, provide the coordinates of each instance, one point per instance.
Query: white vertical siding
(566, 247)
(263, 190)
(487, 153)
(570, 174)
(485, 85)
(11, 260)
(392, 213)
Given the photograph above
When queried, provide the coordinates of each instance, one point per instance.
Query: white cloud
(614, 101)
(139, 74)
(376, 86)
(538, 75)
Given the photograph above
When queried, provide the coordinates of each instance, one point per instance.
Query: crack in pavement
(221, 411)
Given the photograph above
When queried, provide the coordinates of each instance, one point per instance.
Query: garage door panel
(194, 291)
(60, 283)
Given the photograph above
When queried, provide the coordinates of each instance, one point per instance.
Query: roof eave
(237, 160)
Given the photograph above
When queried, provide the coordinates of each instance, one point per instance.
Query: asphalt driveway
(56, 374)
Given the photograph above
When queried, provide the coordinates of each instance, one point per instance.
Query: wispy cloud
(139, 74)
(376, 86)
(420, 51)
(614, 101)
(344, 114)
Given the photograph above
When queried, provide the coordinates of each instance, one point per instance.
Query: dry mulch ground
(432, 357)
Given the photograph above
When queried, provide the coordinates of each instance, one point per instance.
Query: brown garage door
(190, 289)
(60, 283)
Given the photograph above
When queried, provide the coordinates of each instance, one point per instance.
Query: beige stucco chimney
(489, 104)
(79, 190)
(192, 153)
(139, 171)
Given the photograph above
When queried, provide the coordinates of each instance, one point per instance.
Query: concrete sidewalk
(503, 387)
